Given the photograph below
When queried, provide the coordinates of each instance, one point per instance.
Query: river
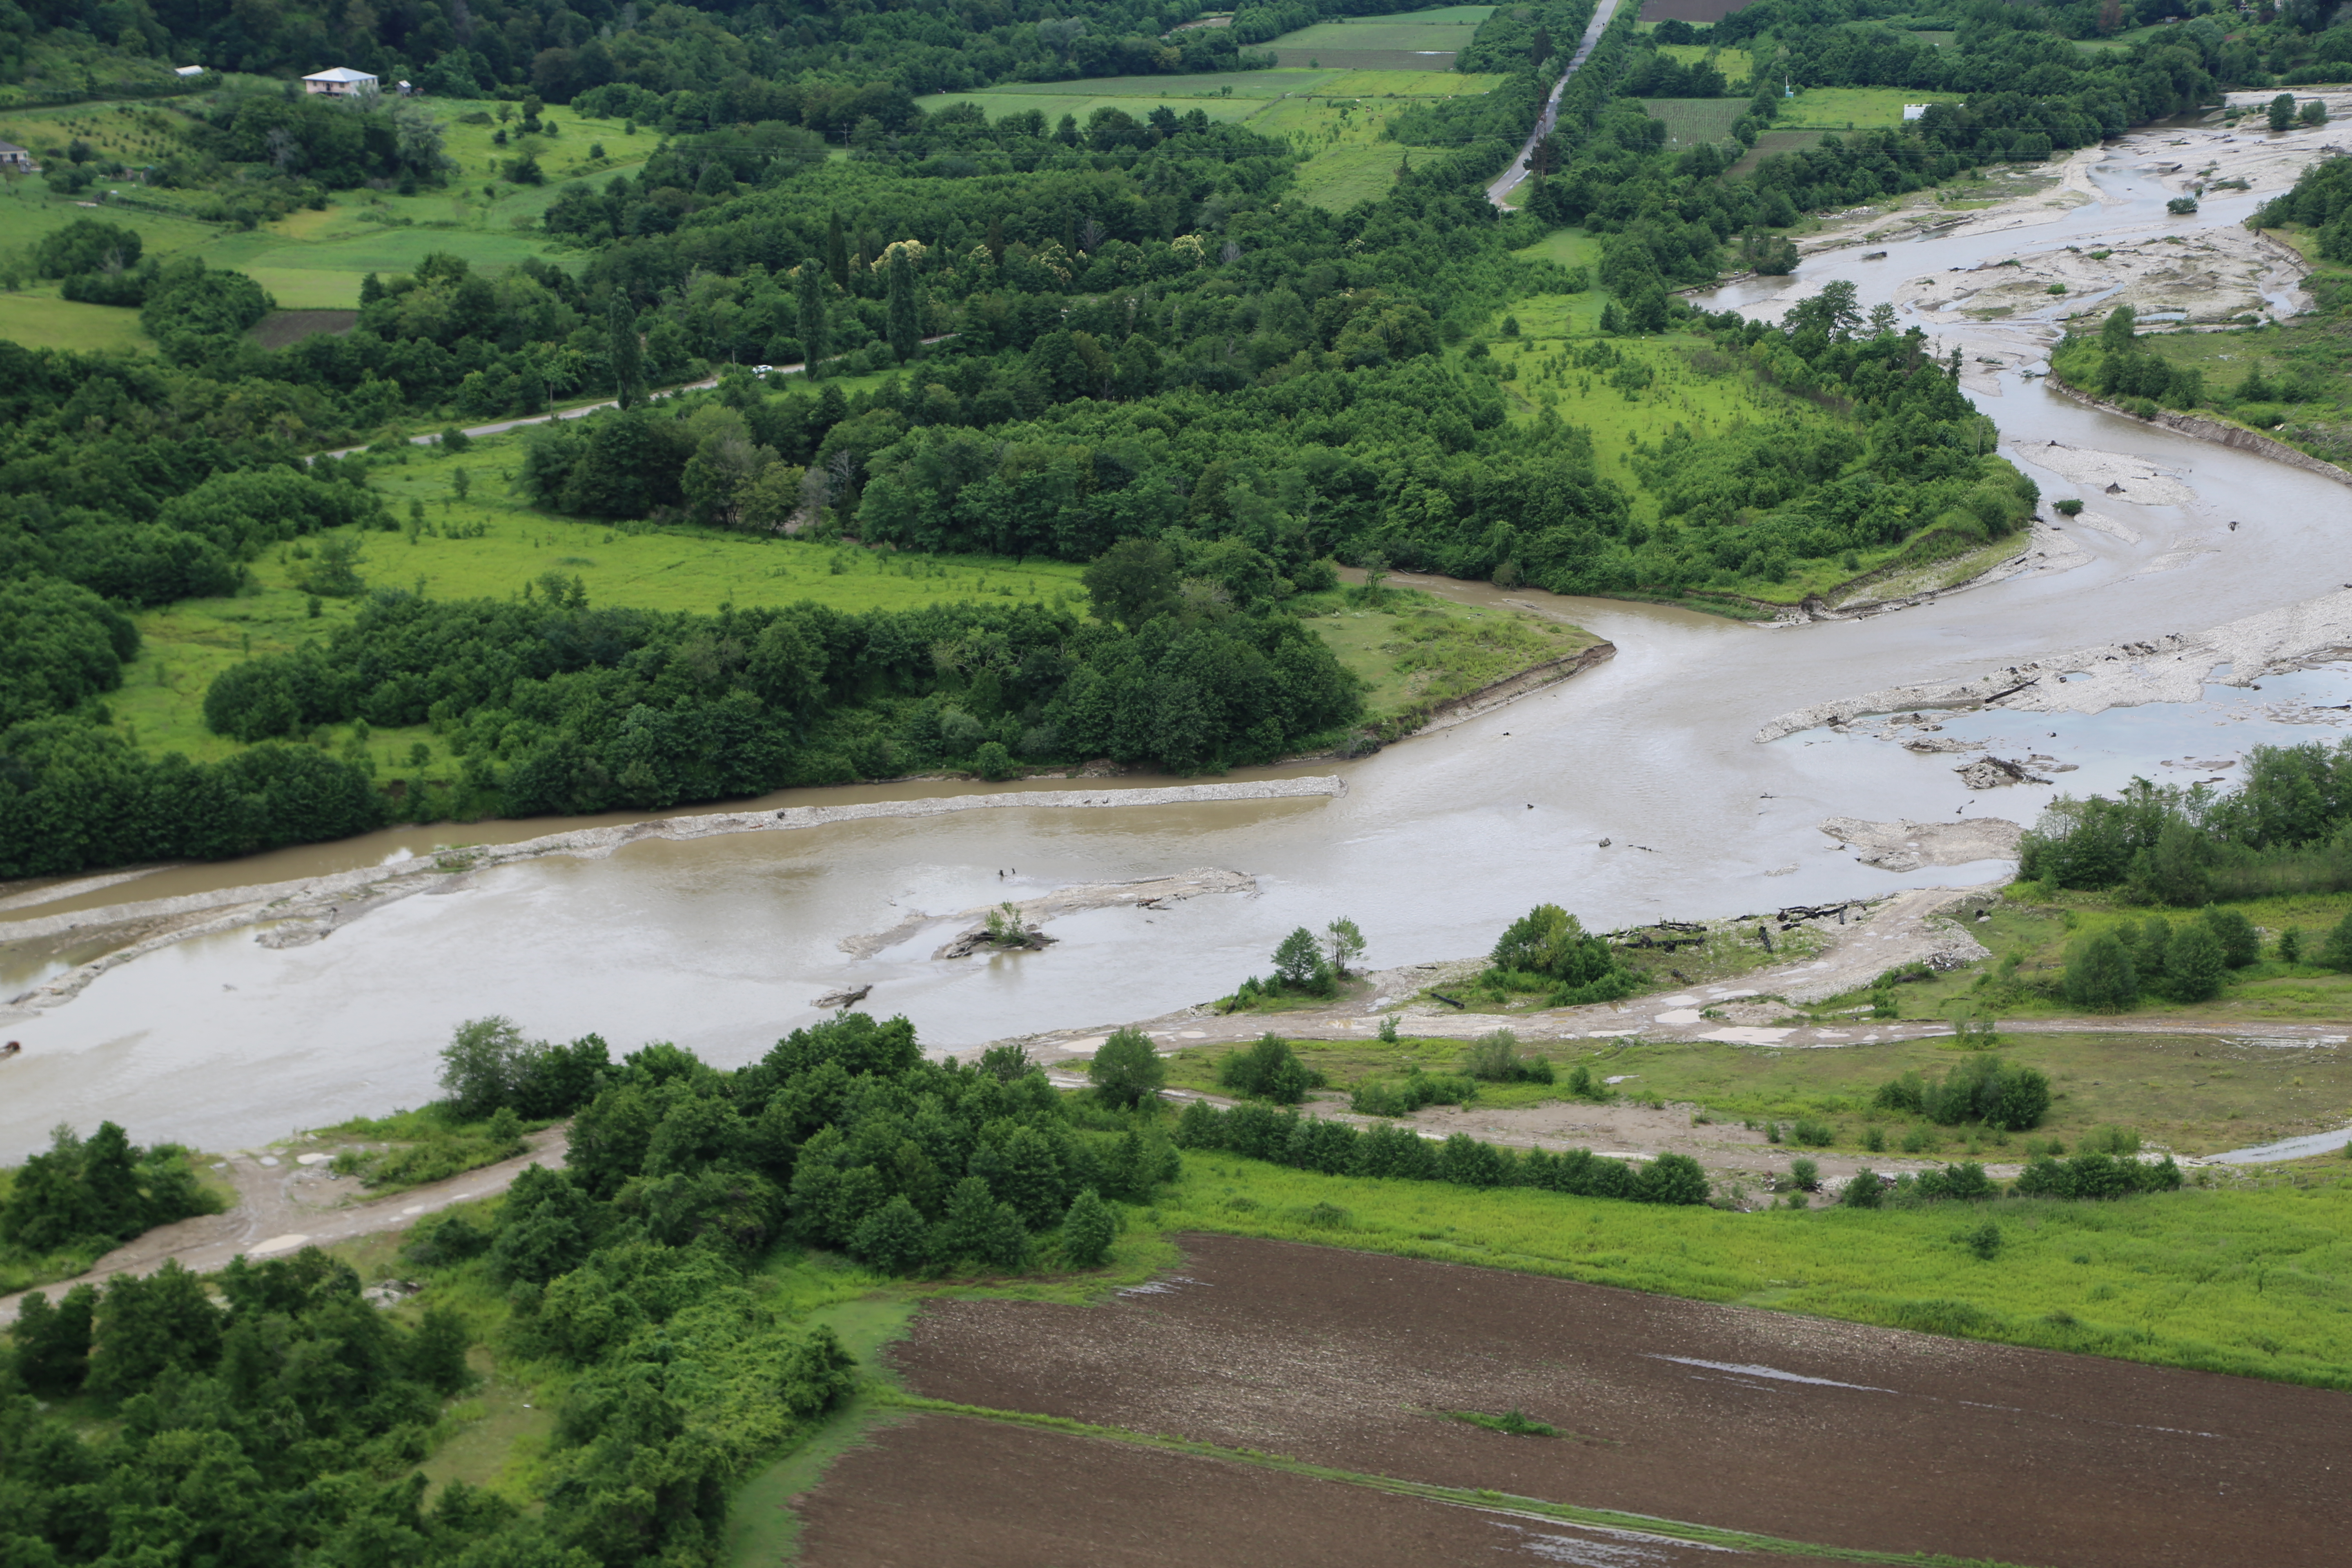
(720, 943)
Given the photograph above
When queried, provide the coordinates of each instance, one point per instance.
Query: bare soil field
(1690, 10)
(1849, 1437)
(1020, 1497)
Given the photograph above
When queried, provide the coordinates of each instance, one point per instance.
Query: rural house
(15, 157)
(340, 82)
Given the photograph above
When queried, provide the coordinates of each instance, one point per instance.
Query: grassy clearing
(1446, 29)
(1851, 108)
(1411, 84)
(2036, 925)
(1690, 121)
(315, 259)
(1737, 65)
(681, 568)
(2249, 1282)
(1338, 179)
(1420, 650)
(1769, 145)
(37, 319)
(1332, 117)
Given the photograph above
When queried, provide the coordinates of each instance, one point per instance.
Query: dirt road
(283, 1206)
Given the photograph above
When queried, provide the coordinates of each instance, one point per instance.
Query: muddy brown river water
(722, 943)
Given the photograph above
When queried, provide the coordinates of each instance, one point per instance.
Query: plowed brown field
(943, 1490)
(1830, 1432)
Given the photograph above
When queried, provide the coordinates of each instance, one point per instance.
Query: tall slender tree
(836, 253)
(628, 354)
(906, 328)
(810, 292)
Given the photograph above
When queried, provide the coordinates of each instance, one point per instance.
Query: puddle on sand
(1771, 1374)
(1596, 1546)
(2301, 1148)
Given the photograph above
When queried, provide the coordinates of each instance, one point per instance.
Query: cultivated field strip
(1671, 1409)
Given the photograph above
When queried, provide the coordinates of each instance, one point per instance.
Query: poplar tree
(906, 330)
(811, 287)
(627, 354)
(836, 253)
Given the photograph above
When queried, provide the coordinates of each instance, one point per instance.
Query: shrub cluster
(1405, 1096)
(1338, 1149)
(2281, 831)
(1548, 949)
(80, 1197)
(2185, 961)
(1494, 1059)
(2001, 1095)
(2095, 1176)
(1269, 1070)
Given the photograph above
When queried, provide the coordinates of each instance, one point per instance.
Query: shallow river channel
(722, 943)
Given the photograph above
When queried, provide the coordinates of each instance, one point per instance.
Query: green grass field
(1446, 29)
(2190, 1094)
(1769, 145)
(1737, 65)
(1420, 649)
(161, 704)
(315, 259)
(1690, 121)
(37, 319)
(1332, 117)
(1851, 108)
(2248, 1282)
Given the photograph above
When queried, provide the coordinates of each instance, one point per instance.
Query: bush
(1269, 1071)
(1550, 942)
(1417, 1089)
(1805, 1175)
(1088, 1230)
(2095, 1176)
(1982, 1089)
(1814, 1134)
(1494, 1059)
(2241, 943)
(1864, 1191)
(2336, 951)
(1984, 1240)
(2100, 977)
(1127, 1070)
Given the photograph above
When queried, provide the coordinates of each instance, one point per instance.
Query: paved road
(1510, 178)
(500, 426)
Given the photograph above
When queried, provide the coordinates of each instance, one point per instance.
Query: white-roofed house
(16, 159)
(187, 73)
(340, 82)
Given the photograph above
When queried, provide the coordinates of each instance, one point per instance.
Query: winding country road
(500, 426)
(1511, 177)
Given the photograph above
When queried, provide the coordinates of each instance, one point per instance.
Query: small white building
(187, 73)
(16, 159)
(1914, 111)
(340, 82)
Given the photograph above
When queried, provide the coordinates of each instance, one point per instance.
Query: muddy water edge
(722, 943)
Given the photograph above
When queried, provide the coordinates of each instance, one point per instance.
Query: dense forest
(282, 1422)
(1084, 334)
